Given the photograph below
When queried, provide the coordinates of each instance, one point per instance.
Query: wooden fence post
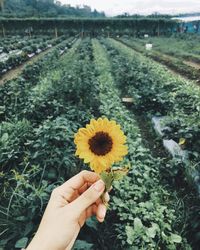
(3, 31)
(56, 32)
(158, 28)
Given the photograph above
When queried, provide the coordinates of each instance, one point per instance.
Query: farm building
(189, 24)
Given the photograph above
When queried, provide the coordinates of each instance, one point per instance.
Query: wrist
(39, 243)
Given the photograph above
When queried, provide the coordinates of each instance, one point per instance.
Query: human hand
(70, 205)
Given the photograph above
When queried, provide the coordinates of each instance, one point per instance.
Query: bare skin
(70, 205)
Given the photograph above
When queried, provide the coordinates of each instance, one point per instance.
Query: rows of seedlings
(172, 99)
(14, 92)
(143, 215)
(175, 63)
(182, 46)
(40, 112)
(172, 104)
(37, 149)
(17, 107)
(8, 44)
(11, 57)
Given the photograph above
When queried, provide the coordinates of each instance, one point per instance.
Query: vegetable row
(143, 213)
(171, 57)
(13, 58)
(36, 136)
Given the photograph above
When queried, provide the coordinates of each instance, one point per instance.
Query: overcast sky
(114, 7)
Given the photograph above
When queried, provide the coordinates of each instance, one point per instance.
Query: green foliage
(82, 245)
(38, 153)
(23, 200)
(21, 243)
(88, 26)
(21, 52)
(14, 93)
(13, 139)
(42, 109)
(149, 83)
(142, 215)
(171, 52)
(185, 46)
(45, 8)
(52, 147)
(162, 94)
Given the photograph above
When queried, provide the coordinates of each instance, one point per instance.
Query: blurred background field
(62, 64)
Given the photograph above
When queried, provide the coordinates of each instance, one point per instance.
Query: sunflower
(101, 144)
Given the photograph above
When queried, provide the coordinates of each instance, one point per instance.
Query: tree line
(44, 8)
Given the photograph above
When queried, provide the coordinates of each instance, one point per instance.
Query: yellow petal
(118, 150)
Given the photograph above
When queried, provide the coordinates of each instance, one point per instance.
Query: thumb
(89, 197)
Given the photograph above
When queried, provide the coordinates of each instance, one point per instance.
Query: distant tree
(1, 5)
(48, 8)
(95, 13)
(58, 3)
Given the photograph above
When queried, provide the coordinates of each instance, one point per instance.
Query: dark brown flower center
(101, 143)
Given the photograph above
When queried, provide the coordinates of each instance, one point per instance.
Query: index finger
(79, 180)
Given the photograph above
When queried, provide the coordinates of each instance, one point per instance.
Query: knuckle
(84, 172)
(107, 197)
(55, 191)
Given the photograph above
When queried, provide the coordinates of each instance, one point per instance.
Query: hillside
(44, 8)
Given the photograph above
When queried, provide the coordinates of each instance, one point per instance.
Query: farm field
(180, 53)
(156, 206)
(184, 46)
(16, 50)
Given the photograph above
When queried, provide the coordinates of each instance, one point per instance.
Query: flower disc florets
(101, 144)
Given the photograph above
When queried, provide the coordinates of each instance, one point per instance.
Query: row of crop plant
(175, 62)
(36, 137)
(174, 105)
(183, 46)
(39, 118)
(31, 99)
(143, 213)
(13, 58)
(158, 92)
(17, 42)
(14, 92)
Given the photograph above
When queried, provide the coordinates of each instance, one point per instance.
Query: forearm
(40, 243)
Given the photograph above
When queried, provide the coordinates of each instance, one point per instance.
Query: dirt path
(189, 63)
(192, 64)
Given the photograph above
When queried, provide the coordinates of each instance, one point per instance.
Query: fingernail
(107, 197)
(99, 186)
(102, 212)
